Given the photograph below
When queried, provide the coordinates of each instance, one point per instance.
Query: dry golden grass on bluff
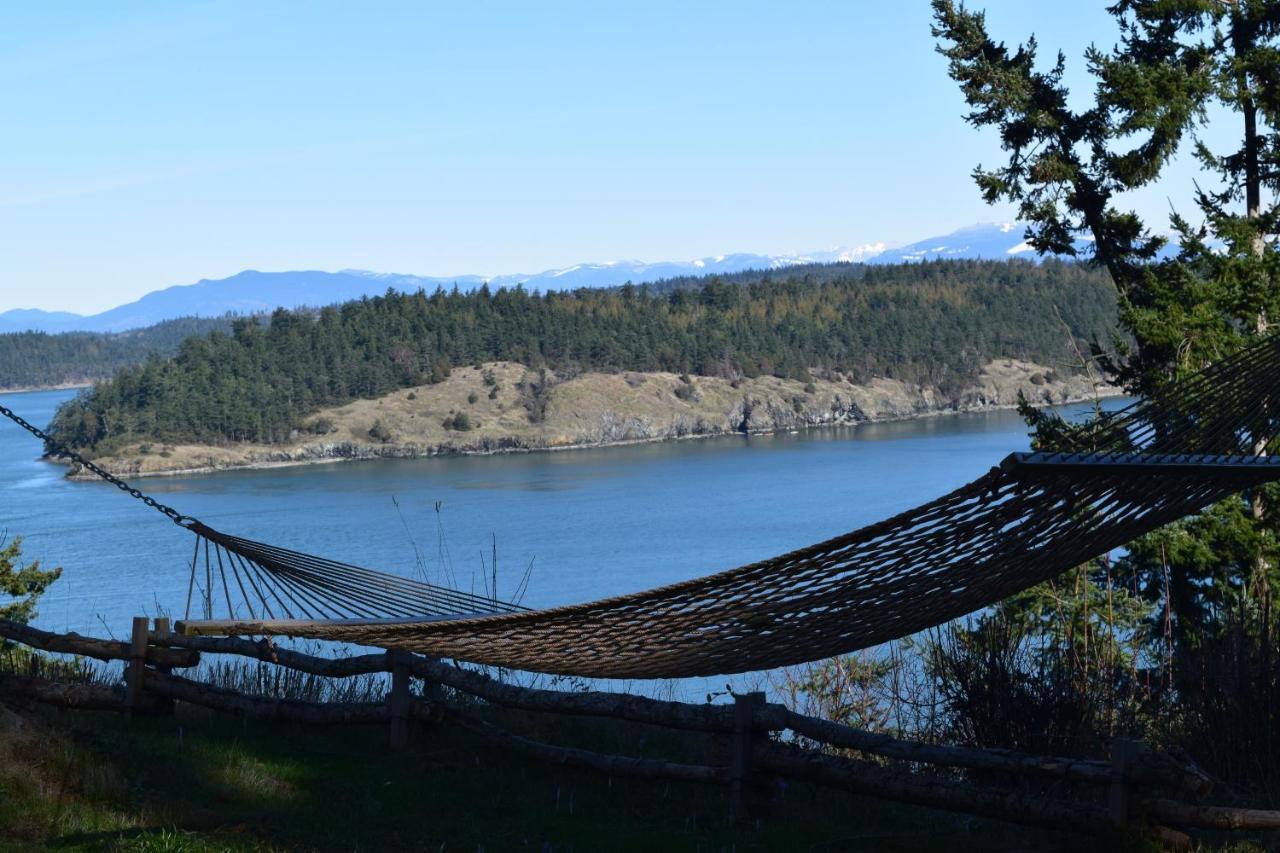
(506, 407)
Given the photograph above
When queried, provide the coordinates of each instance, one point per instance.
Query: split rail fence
(1152, 792)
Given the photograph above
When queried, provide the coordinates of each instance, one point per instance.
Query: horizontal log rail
(63, 694)
(264, 708)
(1210, 817)
(268, 652)
(867, 779)
(1152, 768)
(92, 647)
(638, 709)
(614, 765)
(590, 703)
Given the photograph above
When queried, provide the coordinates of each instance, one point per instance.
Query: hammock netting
(1029, 519)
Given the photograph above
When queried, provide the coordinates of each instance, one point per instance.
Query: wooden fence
(1153, 792)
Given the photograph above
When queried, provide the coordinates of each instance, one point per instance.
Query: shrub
(460, 422)
(23, 585)
(535, 393)
(686, 390)
(379, 431)
(472, 397)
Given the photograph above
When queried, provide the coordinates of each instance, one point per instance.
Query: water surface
(593, 523)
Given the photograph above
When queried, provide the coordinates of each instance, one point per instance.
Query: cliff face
(505, 407)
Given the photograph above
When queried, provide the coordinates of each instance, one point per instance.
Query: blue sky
(150, 144)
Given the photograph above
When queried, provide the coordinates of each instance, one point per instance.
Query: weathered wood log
(867, 779)
(1151, 768)
(398, 698)
(135, 670)
(681, 715)
(1210, 817)
(63, 694)
(591, 703)
(265, 650)
(91, 647)
(261, 708)
(744, 789)
(614, 765)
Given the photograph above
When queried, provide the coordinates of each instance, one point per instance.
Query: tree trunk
(1242, 42)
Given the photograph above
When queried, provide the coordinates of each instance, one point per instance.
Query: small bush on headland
(460, 422)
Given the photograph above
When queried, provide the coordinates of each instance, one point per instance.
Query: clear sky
(150, 144)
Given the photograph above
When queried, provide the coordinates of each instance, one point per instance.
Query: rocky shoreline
(63, 386)
(503, 415)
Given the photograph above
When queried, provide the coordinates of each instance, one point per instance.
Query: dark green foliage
(1207, 624)
(380, 432)
(460, 422)
(320, 426)
(36, 359)
(21, 586)
(934, 324)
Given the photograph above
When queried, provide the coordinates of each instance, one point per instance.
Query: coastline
(371, 451)
(65, 386)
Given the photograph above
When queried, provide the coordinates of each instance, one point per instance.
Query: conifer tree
(22, 586)
(1179, 66)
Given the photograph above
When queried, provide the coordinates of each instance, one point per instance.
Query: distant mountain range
(252, 292)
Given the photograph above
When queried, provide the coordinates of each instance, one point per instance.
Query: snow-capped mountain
(252, 292)
(991, 241)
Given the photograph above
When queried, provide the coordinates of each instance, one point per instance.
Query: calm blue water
(593, 522)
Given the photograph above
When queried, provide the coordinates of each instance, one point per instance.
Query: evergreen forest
(934, 324)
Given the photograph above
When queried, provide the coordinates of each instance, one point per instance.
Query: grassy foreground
(201, 781)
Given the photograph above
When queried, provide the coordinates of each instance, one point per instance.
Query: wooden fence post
(741, 789)
(432, 691)
(1120, 795)
(162, 629)
(137, 661)
(398, 699)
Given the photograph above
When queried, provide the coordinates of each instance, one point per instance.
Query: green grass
(199, 781)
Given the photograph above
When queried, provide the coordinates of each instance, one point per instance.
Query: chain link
(57, 448)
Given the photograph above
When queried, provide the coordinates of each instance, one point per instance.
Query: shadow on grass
(200, 781)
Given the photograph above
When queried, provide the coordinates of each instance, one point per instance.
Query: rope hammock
(1029, 519)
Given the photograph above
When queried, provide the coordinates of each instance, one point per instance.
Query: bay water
(583, 524)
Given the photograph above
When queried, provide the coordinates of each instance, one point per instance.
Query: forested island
(753, 352)
(43, 360)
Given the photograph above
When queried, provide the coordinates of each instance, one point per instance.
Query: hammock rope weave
(1031, 518)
